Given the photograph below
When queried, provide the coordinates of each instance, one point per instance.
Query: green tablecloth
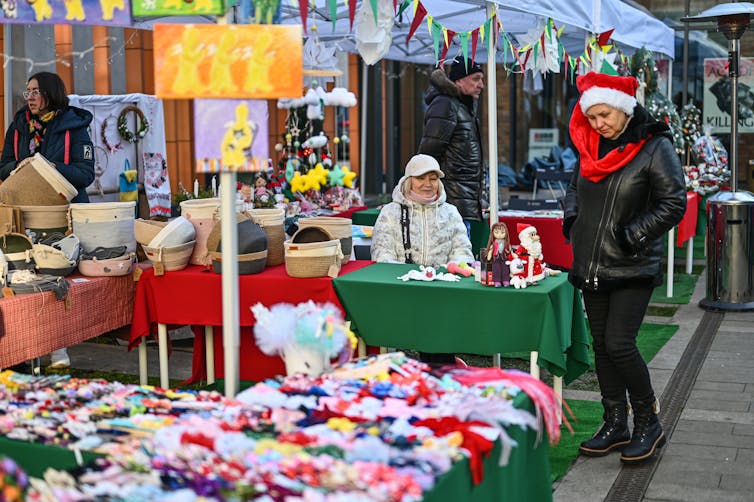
(35, 458)
(366, 217)
(466, 317)
(525, 478)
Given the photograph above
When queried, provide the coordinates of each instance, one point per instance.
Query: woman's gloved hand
(567, 224)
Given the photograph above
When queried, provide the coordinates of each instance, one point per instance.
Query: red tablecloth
(193, 297)
(687, 226)
(556, 250)
(35, 324)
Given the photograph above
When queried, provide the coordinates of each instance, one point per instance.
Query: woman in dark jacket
(452, 134)
(627, 192)
(46, 124)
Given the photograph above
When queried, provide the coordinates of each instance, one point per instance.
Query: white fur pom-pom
(274, 327)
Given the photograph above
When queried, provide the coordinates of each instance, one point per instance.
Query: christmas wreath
(125, 132)
(110, 134)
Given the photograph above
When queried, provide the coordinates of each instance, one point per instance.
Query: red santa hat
(600, 88)
(525, 231)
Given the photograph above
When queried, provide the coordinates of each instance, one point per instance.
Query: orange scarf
(587, 142)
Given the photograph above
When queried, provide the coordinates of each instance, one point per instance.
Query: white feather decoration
(275, 327)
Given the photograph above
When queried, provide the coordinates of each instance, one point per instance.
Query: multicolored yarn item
(37, 128)
(13, 481)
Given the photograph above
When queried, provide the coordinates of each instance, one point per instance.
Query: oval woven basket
(272, 222)
(46, 218)
(312, 252)
(339, 228)
(172, 257)
(145, 230)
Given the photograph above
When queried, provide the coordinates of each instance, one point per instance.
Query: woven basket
(272, 222)
(111, 267)
(35, 182)
(145, 230)
(45, 219)
(172, 257)
(17, 250)
(248, 264)
(312, 252)
(103, 224)
(339, 228)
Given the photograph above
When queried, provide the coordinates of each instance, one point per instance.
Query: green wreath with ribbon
(126, 133)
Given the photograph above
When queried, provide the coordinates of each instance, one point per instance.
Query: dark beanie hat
(463, 68)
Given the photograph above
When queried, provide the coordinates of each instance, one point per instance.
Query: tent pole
(492, 116)
(363, 128)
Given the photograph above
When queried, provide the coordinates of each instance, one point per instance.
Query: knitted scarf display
(587, 142)
(37, 128)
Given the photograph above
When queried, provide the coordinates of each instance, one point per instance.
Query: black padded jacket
(616, 225)
(452, 136)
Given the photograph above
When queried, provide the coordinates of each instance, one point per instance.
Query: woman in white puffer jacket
(436, 233)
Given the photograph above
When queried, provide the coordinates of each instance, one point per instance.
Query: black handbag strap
(406, 233)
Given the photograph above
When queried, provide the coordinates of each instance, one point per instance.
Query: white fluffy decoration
(340, 96)
(315, 141)
(275, 327)
(373, 37)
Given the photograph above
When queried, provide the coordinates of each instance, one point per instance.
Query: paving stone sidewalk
(710, 453)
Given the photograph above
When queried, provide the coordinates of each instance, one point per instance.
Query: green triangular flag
(403, 7)
(332, 6)
(374, 8)
(608, 69)
(463, 39)
(437, 38)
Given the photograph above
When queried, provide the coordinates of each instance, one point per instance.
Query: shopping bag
(129, 188)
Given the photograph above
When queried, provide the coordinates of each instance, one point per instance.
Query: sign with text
(718, 99)
(228, 61)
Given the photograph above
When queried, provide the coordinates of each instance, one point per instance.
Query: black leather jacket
(616, 225)
(452, 136)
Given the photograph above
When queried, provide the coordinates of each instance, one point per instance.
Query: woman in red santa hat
(626, 193)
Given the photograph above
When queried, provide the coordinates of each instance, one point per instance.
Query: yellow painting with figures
(227, 61)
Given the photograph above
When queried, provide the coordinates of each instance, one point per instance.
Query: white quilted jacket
(438, 234)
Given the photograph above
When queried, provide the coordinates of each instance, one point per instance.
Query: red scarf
(587, 142)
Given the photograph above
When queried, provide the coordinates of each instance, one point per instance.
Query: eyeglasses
(33, 93)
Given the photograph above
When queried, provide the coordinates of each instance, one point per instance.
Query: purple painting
(231, 134)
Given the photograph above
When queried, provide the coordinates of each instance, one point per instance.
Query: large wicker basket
(272, 222)
(312, 252)
(44, 220)
(35, 182)
(339, 228)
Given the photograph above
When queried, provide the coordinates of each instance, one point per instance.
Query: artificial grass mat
(683, 287)
(588, 414)
(587, 417)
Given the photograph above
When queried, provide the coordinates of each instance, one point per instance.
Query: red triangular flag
(451, 34)
(351, 10)
(303, 7)
(418, 18)
(604, 38)
(474, 38)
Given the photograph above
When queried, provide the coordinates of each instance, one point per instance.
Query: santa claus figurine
(530, 252)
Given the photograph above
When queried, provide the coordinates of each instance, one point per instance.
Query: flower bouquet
(307, 336)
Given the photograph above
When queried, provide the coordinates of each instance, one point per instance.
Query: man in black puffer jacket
(452, 134)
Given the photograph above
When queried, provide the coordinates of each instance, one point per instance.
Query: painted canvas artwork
(228, 61)
(230, 134)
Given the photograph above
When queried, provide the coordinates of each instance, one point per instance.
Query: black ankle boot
(613, 435)
(647, 435)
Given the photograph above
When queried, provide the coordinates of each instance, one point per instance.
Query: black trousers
(614, 319)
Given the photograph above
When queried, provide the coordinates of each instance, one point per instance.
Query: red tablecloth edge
(687, 226)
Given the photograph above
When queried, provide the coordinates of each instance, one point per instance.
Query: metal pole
(685, 89)
(492, 116)
(363, 128)
(230, 295)
(735, 45)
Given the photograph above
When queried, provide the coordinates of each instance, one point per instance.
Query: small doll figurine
(260, 184)
(497, 253)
